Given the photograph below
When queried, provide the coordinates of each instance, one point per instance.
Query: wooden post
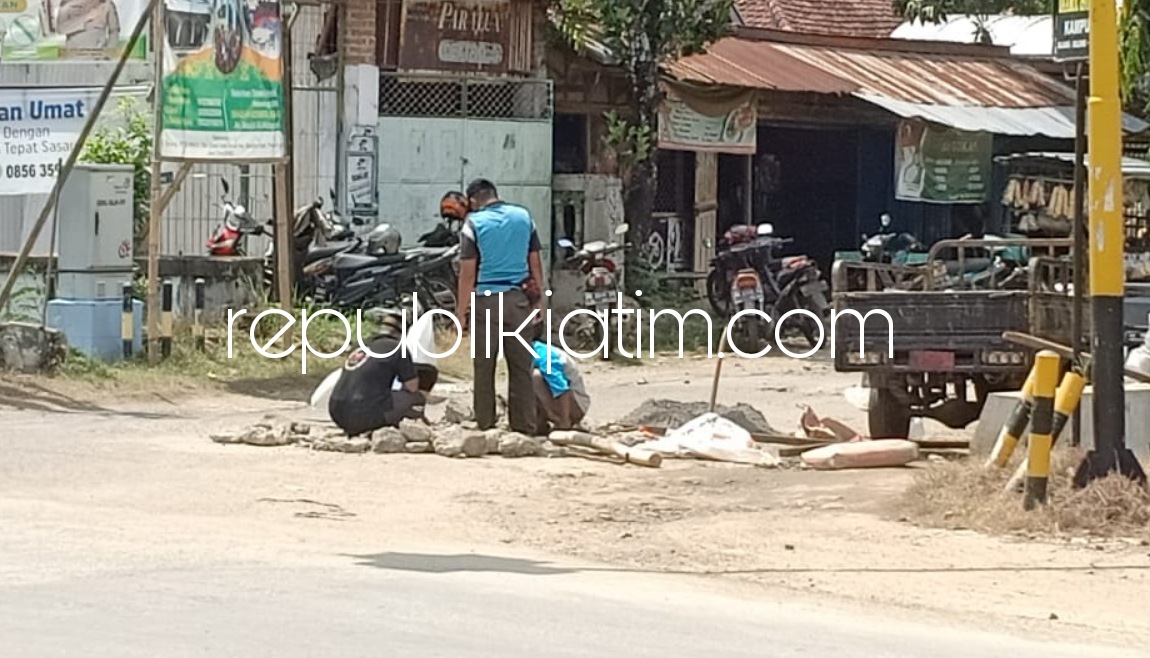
(156, 211)
(127, 321)
(166, 304)
(198, 315)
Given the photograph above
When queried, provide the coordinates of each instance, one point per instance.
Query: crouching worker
(380, 391)
(561, 398)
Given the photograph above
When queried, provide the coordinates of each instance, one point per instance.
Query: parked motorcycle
(230, 236)
(582, 332)
(890, 247)
(747, 274)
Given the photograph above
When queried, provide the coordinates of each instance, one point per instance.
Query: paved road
(461, 606)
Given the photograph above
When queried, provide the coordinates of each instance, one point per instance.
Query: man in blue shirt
(559, 389)
(500, 263)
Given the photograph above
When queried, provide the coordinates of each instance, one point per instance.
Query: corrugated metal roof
(757, 65)
(936, 78)
(1056, 122)
(1131, 167)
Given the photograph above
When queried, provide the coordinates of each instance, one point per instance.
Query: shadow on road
(454, 563)
(29, 396)
(288, 388)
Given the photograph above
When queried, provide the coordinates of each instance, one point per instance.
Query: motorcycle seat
(319, 253)
(345, 261)
(788, 260)
(598, 246)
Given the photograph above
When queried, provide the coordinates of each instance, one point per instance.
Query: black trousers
(519, 358)
(355, 419)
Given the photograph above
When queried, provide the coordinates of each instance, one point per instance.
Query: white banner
(38, 128)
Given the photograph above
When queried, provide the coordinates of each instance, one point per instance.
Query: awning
(1056, 122)
(1133, 168)
(969, 87)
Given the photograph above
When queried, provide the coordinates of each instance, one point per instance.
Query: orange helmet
(454, 205)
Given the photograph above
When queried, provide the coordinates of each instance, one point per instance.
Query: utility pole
(1107, 253)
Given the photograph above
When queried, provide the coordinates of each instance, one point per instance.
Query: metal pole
(750, 178)
(1079, 235)
(1107, 247)
(73, 156)
(156, 212)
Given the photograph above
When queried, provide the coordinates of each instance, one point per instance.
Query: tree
(127, 139)
(641, 35)
(1134, 34)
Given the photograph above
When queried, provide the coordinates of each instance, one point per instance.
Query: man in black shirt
(363, 400)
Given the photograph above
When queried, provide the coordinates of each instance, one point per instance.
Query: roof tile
(856, 18)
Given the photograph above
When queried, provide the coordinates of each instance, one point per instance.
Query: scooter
(601, 290)
(890, 247)
(230, 236)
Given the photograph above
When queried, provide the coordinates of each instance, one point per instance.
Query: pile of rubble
(447, 440)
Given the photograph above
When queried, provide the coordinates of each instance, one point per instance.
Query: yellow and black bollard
(166, 320)
(127, 321)
(1046, 367)
(1066, 401)
(198, 316)
(1015, 425)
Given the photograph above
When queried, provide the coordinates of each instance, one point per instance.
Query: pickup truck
(941, 352)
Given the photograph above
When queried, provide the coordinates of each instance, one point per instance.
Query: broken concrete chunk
(456, 441)
(387, 440)
(457, 413)
(302, 429)
(418, 447)
(493, 438)
(518, 445)
(415, 431)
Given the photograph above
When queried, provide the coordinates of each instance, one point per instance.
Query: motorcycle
(890, 247)
(230, 236)
(747, 275)
(600, 296)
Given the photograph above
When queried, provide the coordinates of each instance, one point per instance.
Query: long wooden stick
(156, 214)
(1065, 351)
(74, 155)
(607, 447)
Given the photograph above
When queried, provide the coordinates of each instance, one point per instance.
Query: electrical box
(94, 232)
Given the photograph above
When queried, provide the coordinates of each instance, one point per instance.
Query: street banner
(38, 128)
(222, 88)
(934, 164)
(54, 30)
(696, 122)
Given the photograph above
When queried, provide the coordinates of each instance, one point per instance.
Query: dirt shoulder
(149, 470)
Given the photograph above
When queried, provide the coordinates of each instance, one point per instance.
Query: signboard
(1071, 30)
(362, 171)
(732, 130)
(941, 165)
(461, 35)
(38, 129)
(50, 30)
(223, 97)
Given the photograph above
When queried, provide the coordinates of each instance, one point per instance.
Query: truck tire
(887, 417)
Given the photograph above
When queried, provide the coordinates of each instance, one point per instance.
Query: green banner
(223, 96)
(934, 164)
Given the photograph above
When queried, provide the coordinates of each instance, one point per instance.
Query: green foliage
(127, 140)
(641, 35)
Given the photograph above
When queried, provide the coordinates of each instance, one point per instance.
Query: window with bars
(470, 98)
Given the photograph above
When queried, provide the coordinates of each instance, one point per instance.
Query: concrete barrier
(998, 407)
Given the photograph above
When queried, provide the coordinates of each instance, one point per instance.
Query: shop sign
(683, 128)
(468, 35)
(1071, 30)
(941, 165)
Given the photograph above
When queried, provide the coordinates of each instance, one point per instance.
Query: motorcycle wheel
(583, 333)
(439, 294)
(717, 293)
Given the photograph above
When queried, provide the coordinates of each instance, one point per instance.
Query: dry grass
(963, 495)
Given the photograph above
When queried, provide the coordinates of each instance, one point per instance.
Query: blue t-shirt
(501, 236)
(556, 375)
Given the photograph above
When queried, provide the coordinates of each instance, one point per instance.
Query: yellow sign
(13, 6)
(1070, 6)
